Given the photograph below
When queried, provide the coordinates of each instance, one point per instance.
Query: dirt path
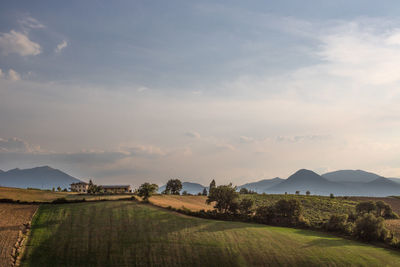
(13, 221)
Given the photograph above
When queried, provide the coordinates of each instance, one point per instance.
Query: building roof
(115, 186)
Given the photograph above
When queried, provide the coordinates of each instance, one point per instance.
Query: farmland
(194, 203)
(37, 195)
(126, 233)
(12, 220)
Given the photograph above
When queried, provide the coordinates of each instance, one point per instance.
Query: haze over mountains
(340, 183)
(43, 177)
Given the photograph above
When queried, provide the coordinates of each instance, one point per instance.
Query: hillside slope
(125, 233)
(43, 177)
(263, 185)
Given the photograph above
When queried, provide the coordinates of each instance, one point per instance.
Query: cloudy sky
(134, 91)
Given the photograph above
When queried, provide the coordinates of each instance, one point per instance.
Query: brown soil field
(12, 220)
(194, 203)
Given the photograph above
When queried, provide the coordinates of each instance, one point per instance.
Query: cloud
(61, 46)
(303, 138)
(193, 134)
(144, 150)
(246, 139)
(29, 22)
(13, 75)
(18, 43)
(16, 145)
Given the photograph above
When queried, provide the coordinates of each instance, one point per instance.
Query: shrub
(338, 223)
(246, 206)
(366, 207)
(370, 228)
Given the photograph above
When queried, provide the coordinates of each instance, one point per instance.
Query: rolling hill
(358, 176)
(304, 180)
(43, 177)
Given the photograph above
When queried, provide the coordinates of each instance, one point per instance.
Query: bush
(338, 223)
(365, 207)
(246, 206)
(370, 228)
(284, 212)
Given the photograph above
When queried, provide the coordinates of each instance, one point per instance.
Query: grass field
(12, 218)
(125, 233)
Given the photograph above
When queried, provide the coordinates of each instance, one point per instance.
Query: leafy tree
(338, 223)
(59, 189)
(366, 207)
(225, 198)
(65, 190)
(94, 189)
(291, 209)
(212, 186)
(385, 210)
(243, 190)
(308, 193)
(53, 189)
(174, 186)
(205, 192)
(146, 190)
(246, 206)
(185, 193)
(297, 192)
(370, 228)
(331, 195)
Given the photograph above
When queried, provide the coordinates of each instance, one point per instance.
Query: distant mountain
(351, 176)
(306, 180)
(263, 185)
(192, 188)
(396, 180)
(40, 177)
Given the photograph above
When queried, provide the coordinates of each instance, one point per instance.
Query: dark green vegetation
(316, 209)
(125, 233)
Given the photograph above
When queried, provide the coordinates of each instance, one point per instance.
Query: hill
(126, 233)
(351, 176)
(43, 177)
(263, 185)
(192, 188)
(304, 180)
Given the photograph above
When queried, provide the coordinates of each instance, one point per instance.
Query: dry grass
(30, 195)
(194, 203)
(12, 220)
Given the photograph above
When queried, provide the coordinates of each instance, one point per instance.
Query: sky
(125, 92)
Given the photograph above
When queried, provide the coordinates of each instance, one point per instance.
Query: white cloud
(193, 134)
(61, 46)
(29, 22)
(18, 43)
(13, 75)
(17, 145)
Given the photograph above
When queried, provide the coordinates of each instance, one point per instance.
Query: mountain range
(43, 177)
(341, 183)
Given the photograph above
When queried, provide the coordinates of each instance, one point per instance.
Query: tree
(370, 228)
(65, 190)
(338, 223)
(225, 198)
(308, 193)
(146, 190)
(212, 186)
(331, 195)
(174, 186)
(185, 193)
(385, 210)
(205, 191)
(94, 189)
(246, 206)
(366, 207)
(297, 192)
(243, 190)
(53, 189)
(59, 189)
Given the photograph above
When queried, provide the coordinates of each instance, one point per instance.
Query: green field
(126, 233)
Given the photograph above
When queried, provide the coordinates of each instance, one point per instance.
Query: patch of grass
(126, 233)
(194, 203)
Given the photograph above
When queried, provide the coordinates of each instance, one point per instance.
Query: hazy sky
(134, 91)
